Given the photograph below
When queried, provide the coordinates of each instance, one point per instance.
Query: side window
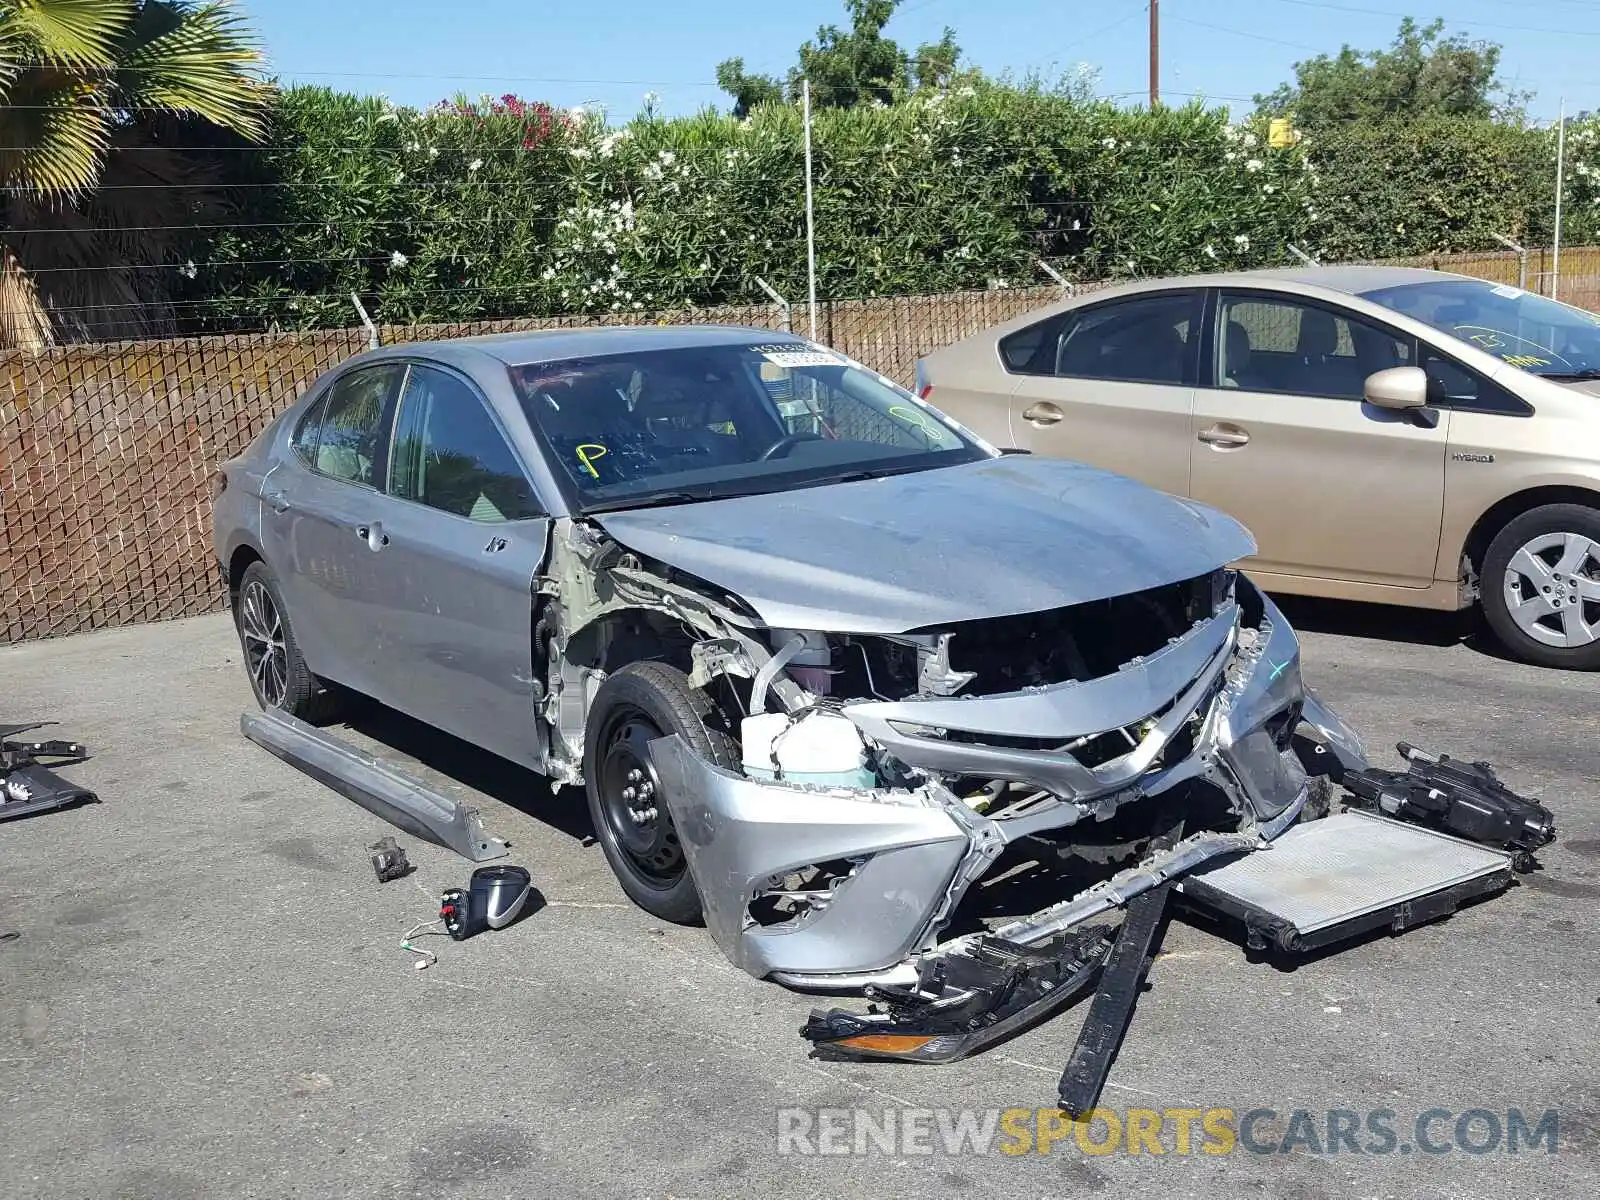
(1032, 351)
(1144, 339)
(304, 439)
(1452, 385)
(1273, 344)
(449, 454)
(349, 436)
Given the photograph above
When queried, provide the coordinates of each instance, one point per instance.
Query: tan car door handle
(1225, 437)
(1043, 413)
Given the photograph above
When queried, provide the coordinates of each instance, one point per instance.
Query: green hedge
(496, 208)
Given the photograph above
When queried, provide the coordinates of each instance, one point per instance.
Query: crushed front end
(1144, 734)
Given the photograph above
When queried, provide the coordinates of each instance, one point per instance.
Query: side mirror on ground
(1397, 388)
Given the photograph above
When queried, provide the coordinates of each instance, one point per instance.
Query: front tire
(278, 674)
(1541, 586)
(641, 702)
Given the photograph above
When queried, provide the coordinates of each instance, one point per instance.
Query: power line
(1244, 33)
(1388, 12)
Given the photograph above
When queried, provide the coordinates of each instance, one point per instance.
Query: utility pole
(1155, 54)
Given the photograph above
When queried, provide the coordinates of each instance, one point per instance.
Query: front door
(462, 537)
(1283, 441)
(1112, 384)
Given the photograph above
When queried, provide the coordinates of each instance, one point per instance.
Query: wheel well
(1493, 521)
(237, 565)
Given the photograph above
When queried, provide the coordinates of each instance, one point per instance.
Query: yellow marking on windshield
(918, 421)
(587, 453)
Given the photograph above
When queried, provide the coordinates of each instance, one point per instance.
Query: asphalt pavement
(208, 996)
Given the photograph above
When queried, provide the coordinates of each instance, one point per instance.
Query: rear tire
(637, 704)
(1541, 586)
(278, 674)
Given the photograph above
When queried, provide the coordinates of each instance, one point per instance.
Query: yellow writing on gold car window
(587, 453)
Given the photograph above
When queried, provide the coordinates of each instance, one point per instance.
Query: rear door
(315, 503)
(1282, 440)
(1111, 385)
(460, 537)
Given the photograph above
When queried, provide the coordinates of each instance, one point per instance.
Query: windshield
(707, 422)
(1538, 334)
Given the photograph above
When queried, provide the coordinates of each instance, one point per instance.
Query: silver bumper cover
(913, 854)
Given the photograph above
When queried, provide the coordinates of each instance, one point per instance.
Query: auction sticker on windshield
(793, 354)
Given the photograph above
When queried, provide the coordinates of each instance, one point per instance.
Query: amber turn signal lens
(886, 1043)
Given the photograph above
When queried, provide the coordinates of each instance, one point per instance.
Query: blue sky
(614, 52)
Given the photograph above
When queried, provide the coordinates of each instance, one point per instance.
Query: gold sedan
(1389, 434)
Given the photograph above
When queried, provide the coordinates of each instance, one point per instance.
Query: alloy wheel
(1552, 589)
(265, 653)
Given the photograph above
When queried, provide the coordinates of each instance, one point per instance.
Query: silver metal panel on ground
(403, 801)
(1348, 865)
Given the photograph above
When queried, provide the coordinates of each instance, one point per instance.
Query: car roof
(1352, 280)
(551, 345)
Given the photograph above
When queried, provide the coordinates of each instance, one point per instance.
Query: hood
(995, 538)
(1590, 387)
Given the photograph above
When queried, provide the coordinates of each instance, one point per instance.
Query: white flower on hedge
(548, 273)
(667, 158)
(189, 270)
(1230, 132)
(579, 152)
(1255, 164)
(1230, 156)
(474, 165)
(1110, 143)
(1210, 250)
(1249, 139)
(1268, 188)
(398, 260)
(1242, 241)
(433, 152)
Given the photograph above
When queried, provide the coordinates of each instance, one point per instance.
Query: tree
(749, 92)
(1422, 73)
(850, 67)
(100, 101)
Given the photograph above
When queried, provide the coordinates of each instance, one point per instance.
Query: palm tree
(101, 105)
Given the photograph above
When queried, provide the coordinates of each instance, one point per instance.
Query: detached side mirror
(1399, 388)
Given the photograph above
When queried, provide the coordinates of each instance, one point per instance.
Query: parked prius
(1388, 434)
(815, 653)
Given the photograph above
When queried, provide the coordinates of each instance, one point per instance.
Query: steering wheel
(783, 445)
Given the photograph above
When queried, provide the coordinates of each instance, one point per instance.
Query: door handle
(1225, 437)
(373, 535)
(278, 500)
(1043, 413)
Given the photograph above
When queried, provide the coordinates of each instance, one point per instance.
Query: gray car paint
(739, 832)
(993, 538)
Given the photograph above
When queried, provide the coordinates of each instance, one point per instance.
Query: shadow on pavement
(490, 774)
(1390, 623)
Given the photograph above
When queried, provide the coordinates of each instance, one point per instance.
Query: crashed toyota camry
(816, 654)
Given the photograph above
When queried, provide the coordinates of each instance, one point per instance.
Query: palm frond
(201, 61)
(75, 34)
(55, 133)
(24, 324)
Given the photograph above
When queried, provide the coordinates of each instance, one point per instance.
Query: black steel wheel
(634, 706)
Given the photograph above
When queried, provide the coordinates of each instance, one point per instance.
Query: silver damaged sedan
(816, 654)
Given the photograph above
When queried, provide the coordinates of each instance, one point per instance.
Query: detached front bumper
(1224, 705)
